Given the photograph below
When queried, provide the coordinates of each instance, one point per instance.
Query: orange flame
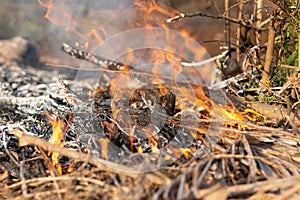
(140, 149)
(186, 152)
(147, 13)
(59, 128)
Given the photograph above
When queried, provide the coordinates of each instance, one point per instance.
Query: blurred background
(50, 23)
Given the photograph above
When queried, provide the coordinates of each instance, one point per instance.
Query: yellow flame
(59, 129)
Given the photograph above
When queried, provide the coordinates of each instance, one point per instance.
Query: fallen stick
(104, 165)
(97, 60)
(234, 80)
(204, 62)
(252, 188)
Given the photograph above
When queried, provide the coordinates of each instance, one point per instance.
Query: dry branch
(259, 16)
(204, 62)
(234, 79)
(221, 17)
(299, 45)
(227, 25)
(238, 40)
(104, 165)
(97, 60)
(250, 189)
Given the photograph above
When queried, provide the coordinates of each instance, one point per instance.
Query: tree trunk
(241, 6)
(269, 55)
(259, 15)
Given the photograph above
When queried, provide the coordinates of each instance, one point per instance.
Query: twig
(227, 24)
(204, 172)
(60, 178)
(238, 39)
(299, 45)
(198, 64)
(252, 165)
(278, 3)
(247, 189)
(248, 55)
(22, 176)
(221, 17)
(285, 86)
(289, 67)
(234, 79)
(11, 156)
(119, 127)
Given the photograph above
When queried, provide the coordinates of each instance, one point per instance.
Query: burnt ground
(64, 138)
(97, 158)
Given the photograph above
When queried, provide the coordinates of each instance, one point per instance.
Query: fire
(140, 149)
(59, 128)
(164, 70)
(55, 11)
(186, 152)
(150, 13)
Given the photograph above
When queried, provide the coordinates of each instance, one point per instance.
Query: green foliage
(279, 78)
(263, 98)
(289, 31)
(289, 44)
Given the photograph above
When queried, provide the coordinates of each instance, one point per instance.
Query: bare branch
(221, 17)
(97, 60)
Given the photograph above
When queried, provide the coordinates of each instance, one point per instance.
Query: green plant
(289, 31)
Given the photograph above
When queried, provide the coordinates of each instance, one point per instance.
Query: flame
(59, 128)
(186, 152)
(140, 149)
(71, 167)
(142, 13)
(149, 11)
(55, 11)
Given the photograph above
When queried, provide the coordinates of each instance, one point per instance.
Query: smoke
(85, 23)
